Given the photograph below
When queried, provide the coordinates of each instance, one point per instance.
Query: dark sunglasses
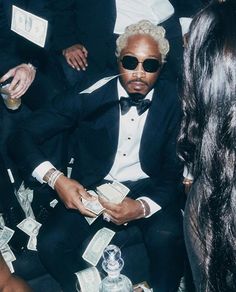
(149, 65)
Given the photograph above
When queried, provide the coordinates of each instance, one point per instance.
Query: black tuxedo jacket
(95, 118)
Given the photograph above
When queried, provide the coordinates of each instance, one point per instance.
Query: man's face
(137, 80)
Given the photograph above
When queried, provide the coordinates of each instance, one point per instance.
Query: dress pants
(61, 242)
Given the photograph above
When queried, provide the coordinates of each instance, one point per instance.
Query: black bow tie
(134, 100)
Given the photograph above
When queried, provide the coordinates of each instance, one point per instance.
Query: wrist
(145, 208)
(52, 176)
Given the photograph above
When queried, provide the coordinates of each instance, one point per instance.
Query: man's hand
(71, 194)
(76, 56)
(23, 75)
(123, 212)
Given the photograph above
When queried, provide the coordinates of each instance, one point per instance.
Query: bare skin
(76, 56)
(9, 282)
(23, 76)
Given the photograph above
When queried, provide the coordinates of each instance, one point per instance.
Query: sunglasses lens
(129, 62)
(151, 65)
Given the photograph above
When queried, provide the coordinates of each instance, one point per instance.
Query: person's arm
(65, 38)
(9, 282)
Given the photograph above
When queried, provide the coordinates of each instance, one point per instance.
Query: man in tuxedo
(125, 131)
(84, 32)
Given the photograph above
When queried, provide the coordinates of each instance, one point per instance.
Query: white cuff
(40, 171)
(185, 23)
(154, 207)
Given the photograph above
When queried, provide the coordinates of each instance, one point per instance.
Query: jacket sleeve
(8, 56)
(63, 30)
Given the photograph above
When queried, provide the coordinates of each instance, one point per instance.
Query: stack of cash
(113, 192)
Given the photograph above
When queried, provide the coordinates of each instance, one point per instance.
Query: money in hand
(94, 250)
(114, 193)
(93, 206)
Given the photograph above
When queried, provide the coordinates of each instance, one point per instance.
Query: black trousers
(62, 239)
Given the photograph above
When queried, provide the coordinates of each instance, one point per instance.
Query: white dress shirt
(156, 11)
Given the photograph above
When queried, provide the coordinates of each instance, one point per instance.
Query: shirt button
(132, 120)
(129, 138)
(124, 154)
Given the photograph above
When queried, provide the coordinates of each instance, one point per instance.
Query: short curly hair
(144, 27)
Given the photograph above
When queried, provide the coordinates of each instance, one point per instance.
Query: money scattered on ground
(53, 203)
(8, 256)
(5, 236)
(94, 250)
(28, 25)
(88, 279)
(25, 198)
(30, 227)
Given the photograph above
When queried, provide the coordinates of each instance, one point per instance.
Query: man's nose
(139, 71)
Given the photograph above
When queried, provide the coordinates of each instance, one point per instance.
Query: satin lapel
(112, 116)
(152, 125)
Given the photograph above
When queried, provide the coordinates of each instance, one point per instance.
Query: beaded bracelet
(143, 206)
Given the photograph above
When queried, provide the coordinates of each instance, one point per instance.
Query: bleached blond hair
(144, 27)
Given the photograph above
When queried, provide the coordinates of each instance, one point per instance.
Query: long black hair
(207, 140)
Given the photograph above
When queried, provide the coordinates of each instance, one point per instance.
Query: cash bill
(53, 203)
(93, 206)
(114, 192)
(2, 222)
(8, 256)
(25, 197)
(94, 250)
(89, 280)
(29, 26)
(5, 236)
(29, 226)
(98, 84)
(32, 243)
(90, 220)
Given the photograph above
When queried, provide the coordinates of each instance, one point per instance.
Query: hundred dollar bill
(88, 279)
(112, 193)
(5, 236)
(29, 226)
(94, 250)
(29, 25)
